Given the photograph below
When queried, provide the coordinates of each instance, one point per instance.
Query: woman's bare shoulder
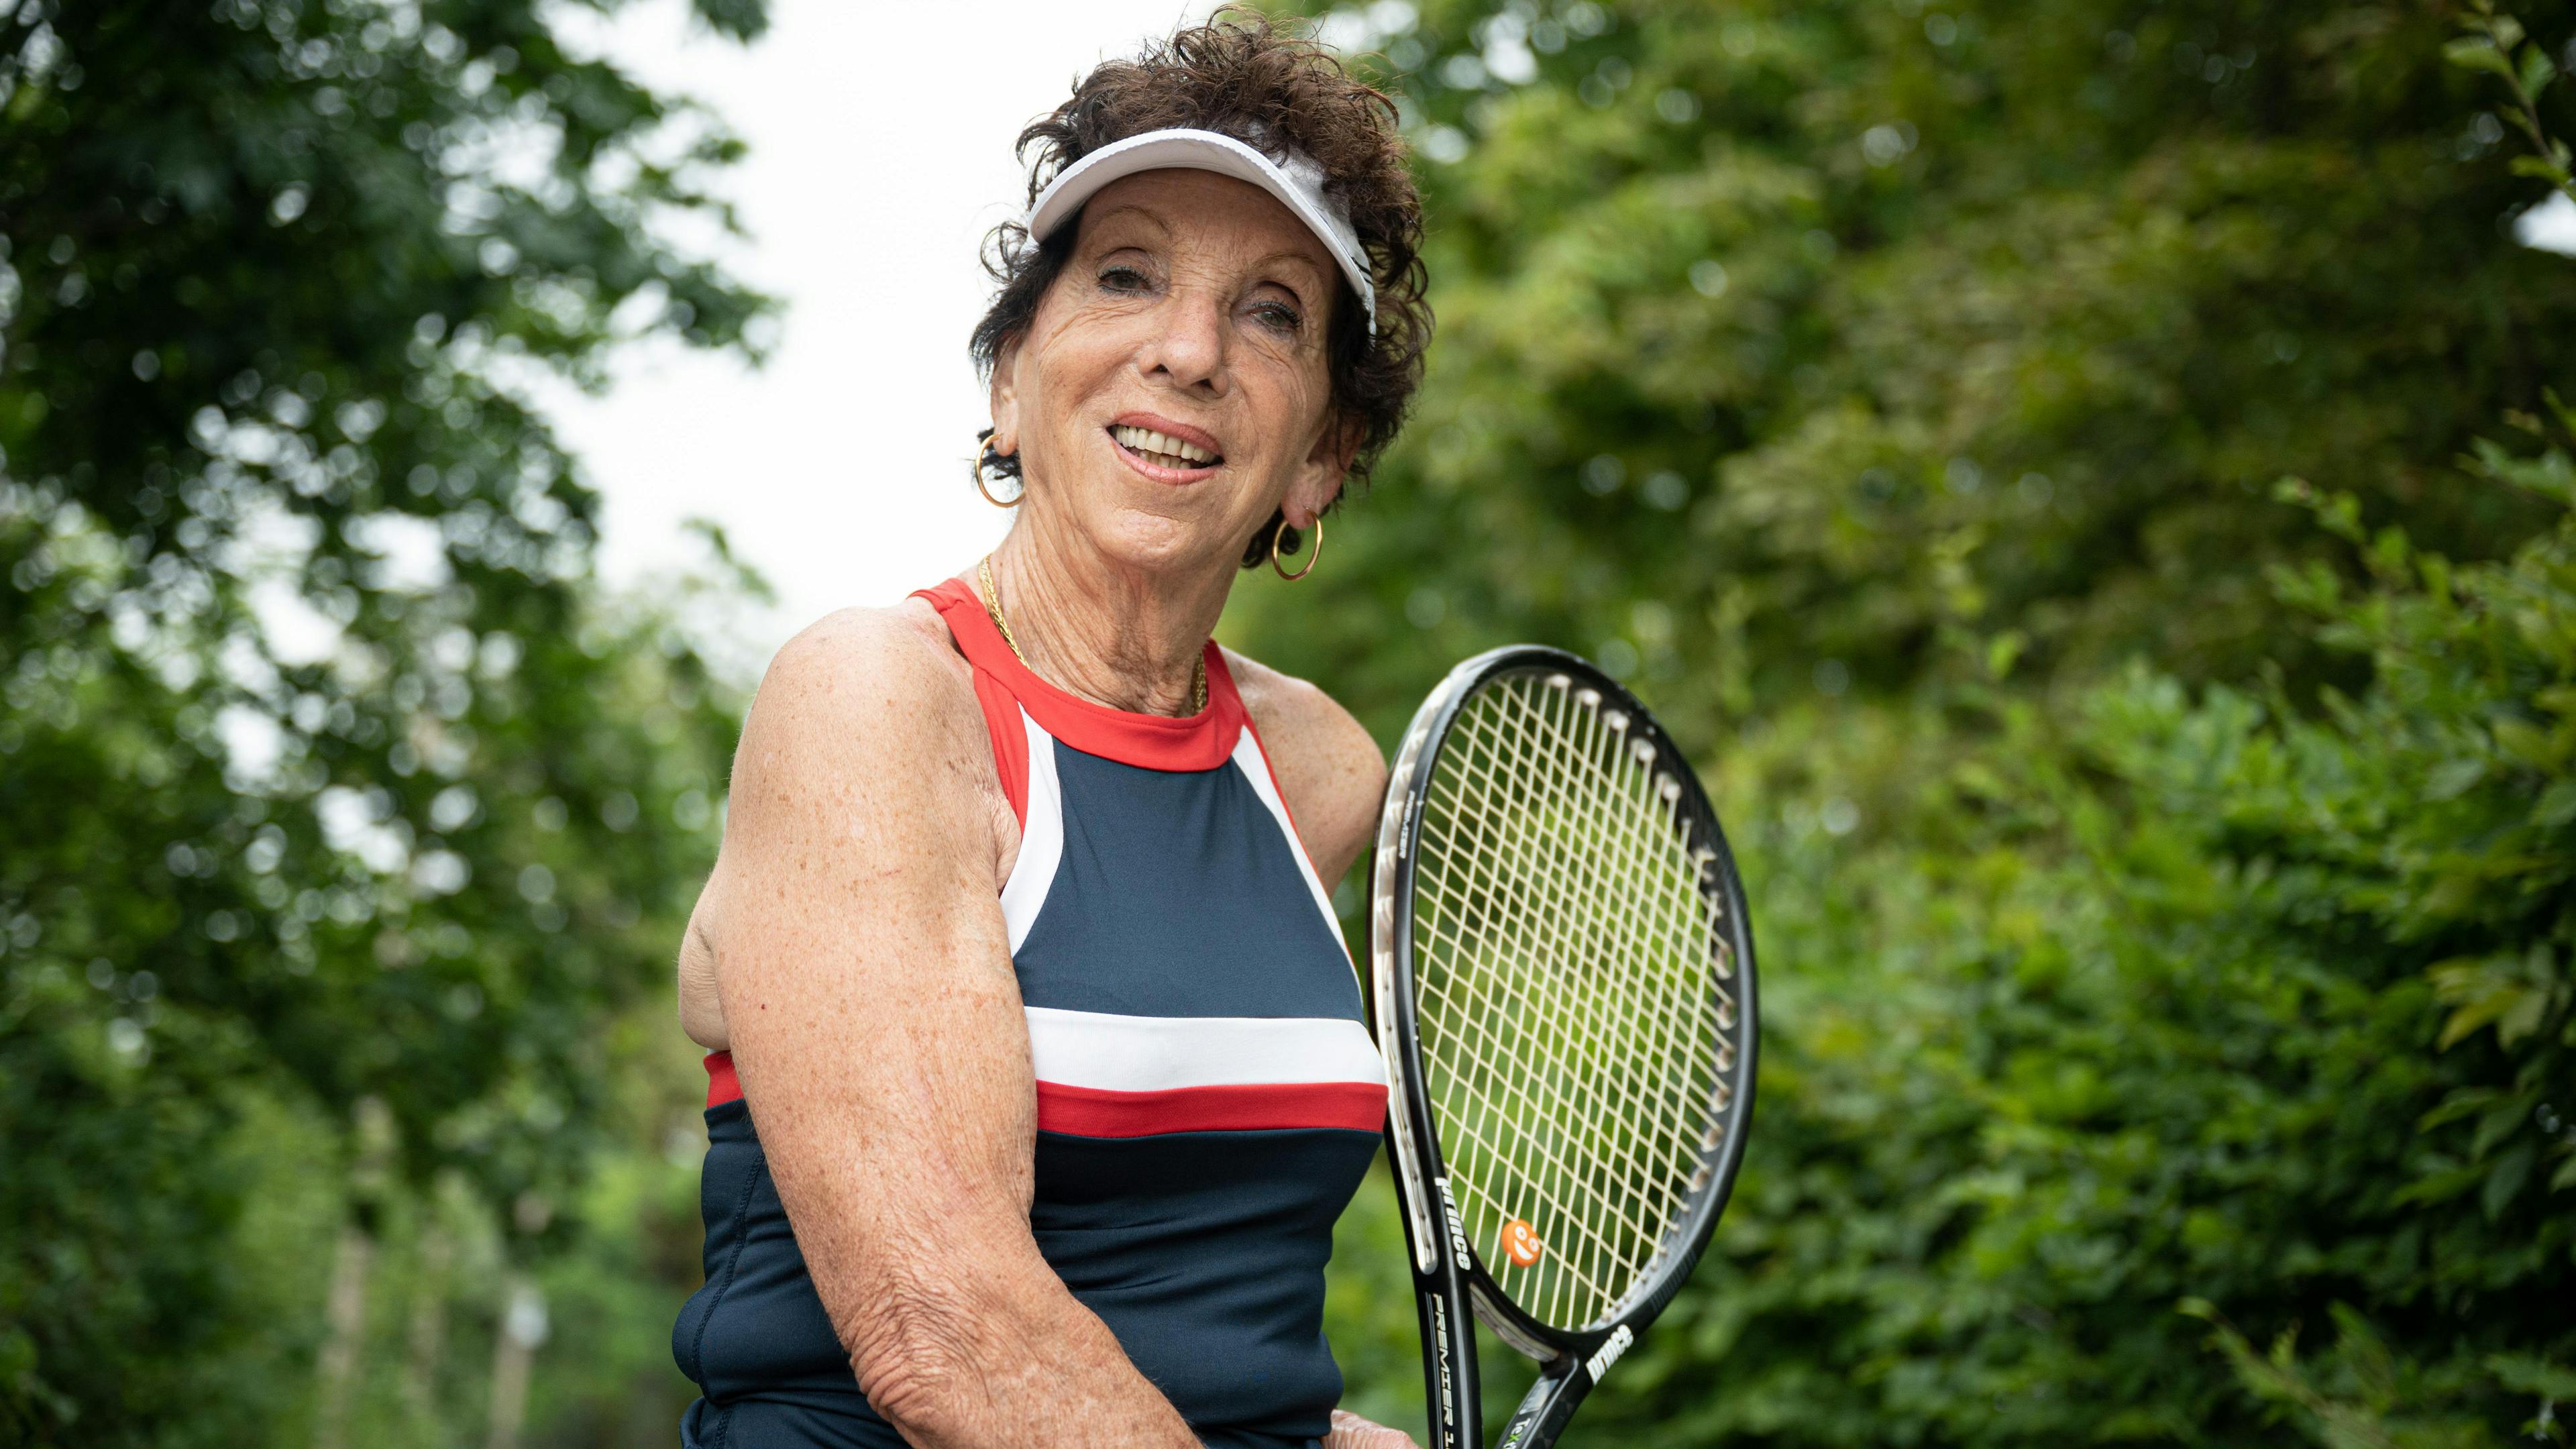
(1329, 767)
(867, 684)
(864, 714)
(904, 643)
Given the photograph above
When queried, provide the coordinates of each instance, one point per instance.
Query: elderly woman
(1038, 1069)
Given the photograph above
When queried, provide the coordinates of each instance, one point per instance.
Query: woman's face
(1193, 306)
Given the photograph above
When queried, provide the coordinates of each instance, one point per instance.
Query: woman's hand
(1350, 1431)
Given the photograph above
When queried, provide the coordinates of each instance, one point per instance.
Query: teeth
(1146, 440)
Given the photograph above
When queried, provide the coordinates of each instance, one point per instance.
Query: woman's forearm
(1005, 1358)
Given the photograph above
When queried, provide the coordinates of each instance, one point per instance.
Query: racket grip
(1543, 1414)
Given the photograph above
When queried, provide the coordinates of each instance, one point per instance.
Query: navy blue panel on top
(1175, 897)
(756, 1338)
(1203, 1252)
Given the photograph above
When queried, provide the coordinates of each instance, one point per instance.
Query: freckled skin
(849, 947)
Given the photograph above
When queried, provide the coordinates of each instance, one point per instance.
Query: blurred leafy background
(2086, 478)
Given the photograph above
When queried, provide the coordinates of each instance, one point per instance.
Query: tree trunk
(351, 1263)
(523, 1327)
(429, 1330)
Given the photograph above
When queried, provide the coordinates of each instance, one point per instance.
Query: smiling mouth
(1162, 450)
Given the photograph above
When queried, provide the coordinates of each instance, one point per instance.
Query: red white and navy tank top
(1208, 1098)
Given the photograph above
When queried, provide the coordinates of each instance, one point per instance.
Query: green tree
(340, 801)
(2164, 1000)
(1775, 338)
(2095, 1012)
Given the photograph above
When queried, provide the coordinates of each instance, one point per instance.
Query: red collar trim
(1201, 741)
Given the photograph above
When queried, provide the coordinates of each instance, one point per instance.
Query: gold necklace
(991, 594)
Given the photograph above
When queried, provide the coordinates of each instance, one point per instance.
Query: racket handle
(1448, 1367)
(1550, 1404)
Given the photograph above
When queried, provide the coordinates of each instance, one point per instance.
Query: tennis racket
(1563, 976)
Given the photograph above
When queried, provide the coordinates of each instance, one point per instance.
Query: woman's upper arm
(866, 981)
(1330, 770)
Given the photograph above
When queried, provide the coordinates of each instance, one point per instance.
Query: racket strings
(1560, 1188)
(1498, 1123)
(1629, 1075)
(1571, 992)
(1613, 1176)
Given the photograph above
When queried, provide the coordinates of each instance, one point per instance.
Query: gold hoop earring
(1313, 553)
(976, 466)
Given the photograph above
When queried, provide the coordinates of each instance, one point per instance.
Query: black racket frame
(1450, 1277)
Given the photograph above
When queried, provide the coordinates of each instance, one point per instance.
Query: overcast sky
(880, 151)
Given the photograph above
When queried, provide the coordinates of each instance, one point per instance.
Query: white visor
(1298, 183)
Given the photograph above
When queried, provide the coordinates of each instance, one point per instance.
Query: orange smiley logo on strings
(1521, 1244)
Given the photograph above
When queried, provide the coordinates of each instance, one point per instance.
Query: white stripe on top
(1255, 765)
(1041, 838)
(1159, 1053)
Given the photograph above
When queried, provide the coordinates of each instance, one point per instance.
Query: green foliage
(2360, 1365)
(335, 789)
(1775, 339)
(2166, 983)
(2497, 43)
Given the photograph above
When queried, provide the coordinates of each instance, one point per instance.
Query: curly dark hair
(1244, 76)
